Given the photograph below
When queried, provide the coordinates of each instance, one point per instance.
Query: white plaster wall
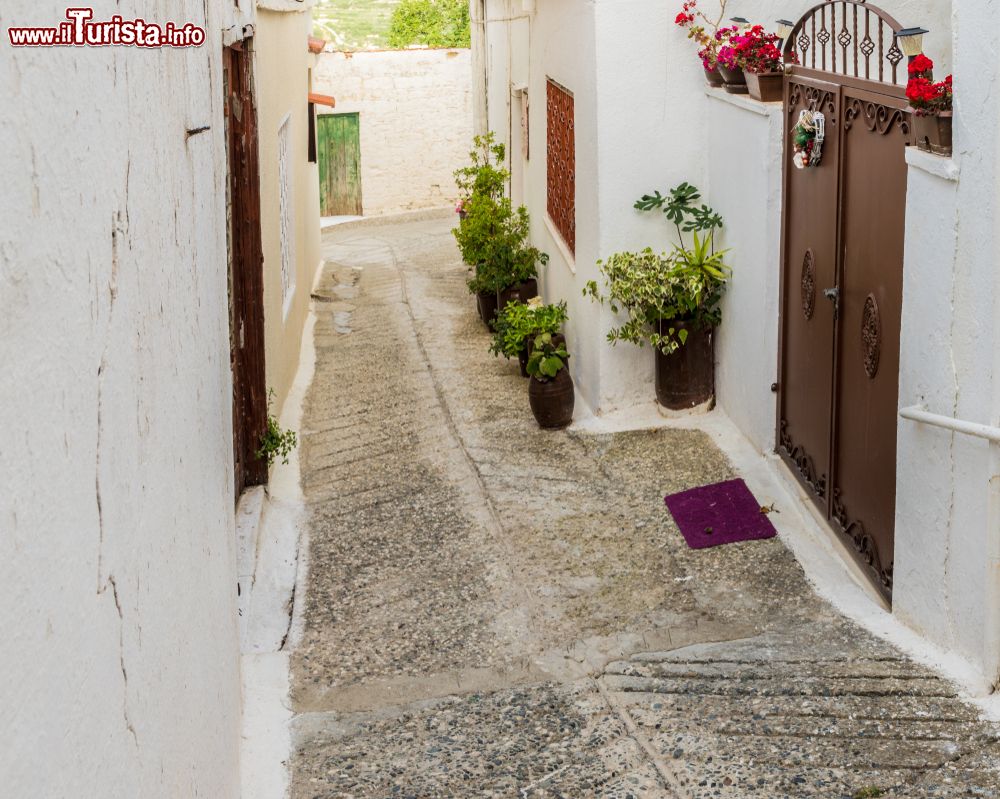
(948, 527)
(120, 672)
(744, 185)
(283, 63)
(416, 121)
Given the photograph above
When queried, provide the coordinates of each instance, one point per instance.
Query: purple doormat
(719, 514)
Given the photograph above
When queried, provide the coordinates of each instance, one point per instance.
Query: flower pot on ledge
(735, 80)
(932, 132)
(685, 378)
(714, 77)
(768, 87)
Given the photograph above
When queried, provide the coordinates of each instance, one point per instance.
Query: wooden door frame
(246, 268)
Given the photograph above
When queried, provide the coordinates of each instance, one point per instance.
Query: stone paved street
(497, 611)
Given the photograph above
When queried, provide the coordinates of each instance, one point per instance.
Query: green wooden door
(340, 164)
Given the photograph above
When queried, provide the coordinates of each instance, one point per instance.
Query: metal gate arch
(842, 269)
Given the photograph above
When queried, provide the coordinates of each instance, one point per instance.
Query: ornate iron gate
(842, 274)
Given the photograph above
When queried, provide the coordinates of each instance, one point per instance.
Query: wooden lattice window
(561, 154)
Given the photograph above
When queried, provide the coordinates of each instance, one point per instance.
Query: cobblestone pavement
(496, 611)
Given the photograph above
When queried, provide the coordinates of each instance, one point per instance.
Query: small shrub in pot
(672, 299)
(519, 324)
(550, 391)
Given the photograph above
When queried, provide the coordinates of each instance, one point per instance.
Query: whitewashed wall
(416, 121)
(948, 505)
(120, 672)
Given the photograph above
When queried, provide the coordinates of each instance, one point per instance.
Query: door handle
(834, 296)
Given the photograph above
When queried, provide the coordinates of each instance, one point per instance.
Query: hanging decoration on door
(807, 139)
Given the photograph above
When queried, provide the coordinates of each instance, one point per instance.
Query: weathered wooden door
(340, 164)
(246, 268)
(842, 276)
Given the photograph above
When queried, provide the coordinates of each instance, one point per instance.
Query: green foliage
(685, 284)
(276, 443)
(434, 23)
(353, 24)
(505, 256)
(492, 235)
(520, 322)
(548, 357)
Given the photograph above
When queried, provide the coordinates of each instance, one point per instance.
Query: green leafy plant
(871, 792)
(548, 357)
(433, 23)
(520, 322)
(684, 285)
(506, 257)
(275, 443)
(491, 234)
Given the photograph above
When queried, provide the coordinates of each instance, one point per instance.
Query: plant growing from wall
(274, 442)
(684, 285)
(432, 23)
(520, 322)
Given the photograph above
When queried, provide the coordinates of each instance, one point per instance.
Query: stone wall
(416, 121)
(120, 674)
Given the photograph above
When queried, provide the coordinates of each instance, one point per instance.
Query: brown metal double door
(842, 282)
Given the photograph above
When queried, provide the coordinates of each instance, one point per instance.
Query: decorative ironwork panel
(561, 154)
(863, 542)
(850, 38)
(871, 335)
(878, 118)
(809, 284)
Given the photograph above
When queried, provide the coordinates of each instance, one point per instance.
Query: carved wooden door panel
(842, 281)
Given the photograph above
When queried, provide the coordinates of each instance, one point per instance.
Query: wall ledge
(745, 101)
(939, 166)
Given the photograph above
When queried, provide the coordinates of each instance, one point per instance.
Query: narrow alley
(498, 611)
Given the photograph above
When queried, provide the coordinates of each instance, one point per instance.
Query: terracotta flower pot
(686, 377)
(932, 132)
(734, 79)
(552, 402)
(768, 87)
(714, 77)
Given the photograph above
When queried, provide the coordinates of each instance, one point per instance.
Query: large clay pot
(553, 401)
(714, 77)
(932, 132)
(528, 290)
(685, 379)
(735, 80)
(768, 87)
(486, 301)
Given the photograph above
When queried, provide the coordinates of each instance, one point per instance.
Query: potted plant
(672, 299)
(509, 265)
(759, 55)
(550, 391)
(931, 107)
(520, 323)
(734, 80)
(702, 31)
